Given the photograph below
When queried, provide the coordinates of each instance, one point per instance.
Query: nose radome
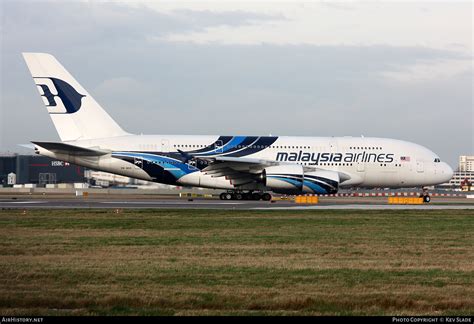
(447, 172)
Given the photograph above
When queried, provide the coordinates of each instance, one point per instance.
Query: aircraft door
(419, 166)
(138, 162)
(333, 146)
(218, 146)
(165, 145)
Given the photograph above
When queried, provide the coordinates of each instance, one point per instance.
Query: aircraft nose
(446, 172)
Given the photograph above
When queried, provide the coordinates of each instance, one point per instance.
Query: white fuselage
(362, 161)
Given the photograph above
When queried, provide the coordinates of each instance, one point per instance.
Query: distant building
(7, 167)
(38, 170)
(464, 174)
(459, 177)
(42, 171)
(466, 163)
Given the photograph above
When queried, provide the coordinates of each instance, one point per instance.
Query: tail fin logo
(59, 96)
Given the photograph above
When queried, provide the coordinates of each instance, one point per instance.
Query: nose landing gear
(425, 195)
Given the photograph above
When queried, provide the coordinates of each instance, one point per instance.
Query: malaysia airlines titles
(334, 157)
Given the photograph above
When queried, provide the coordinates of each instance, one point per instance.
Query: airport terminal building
(41, 171)
(38, 170)
(463, 177)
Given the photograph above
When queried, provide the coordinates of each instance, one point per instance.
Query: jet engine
(292, 179)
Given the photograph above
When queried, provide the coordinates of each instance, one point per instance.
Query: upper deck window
(437, 160)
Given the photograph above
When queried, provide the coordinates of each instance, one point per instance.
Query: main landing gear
(237, 195)
(425, 195)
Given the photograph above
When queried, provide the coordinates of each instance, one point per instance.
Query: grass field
(216, 262)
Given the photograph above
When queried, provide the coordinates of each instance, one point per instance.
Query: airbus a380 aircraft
(246, 167)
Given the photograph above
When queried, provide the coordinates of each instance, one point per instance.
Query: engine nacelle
(284, 178)
(291, 179)
(321, 182)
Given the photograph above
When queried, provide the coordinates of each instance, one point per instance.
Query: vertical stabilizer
(75, 114)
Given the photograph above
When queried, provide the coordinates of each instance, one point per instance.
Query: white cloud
(119, 85)
(429, 70)
(436, 25)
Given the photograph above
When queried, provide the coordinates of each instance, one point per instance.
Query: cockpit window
(437, 160)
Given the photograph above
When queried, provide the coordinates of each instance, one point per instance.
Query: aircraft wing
(62, 148)
(246, 170)
(245, 164)
(239, 170)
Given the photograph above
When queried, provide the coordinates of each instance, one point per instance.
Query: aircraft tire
(256, 196)
(266, 197)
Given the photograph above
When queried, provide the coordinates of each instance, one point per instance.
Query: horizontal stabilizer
(62, 148)
(28, 146)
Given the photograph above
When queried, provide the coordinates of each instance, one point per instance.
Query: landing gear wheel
(425, 195)
(245, 196)
(256, 196)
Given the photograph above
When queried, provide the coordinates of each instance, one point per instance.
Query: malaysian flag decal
(405, 158)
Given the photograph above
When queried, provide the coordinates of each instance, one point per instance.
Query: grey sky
(399, 70)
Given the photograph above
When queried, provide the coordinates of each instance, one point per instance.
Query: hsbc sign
(59, 164)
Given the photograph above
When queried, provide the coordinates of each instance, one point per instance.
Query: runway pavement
(340, 203)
